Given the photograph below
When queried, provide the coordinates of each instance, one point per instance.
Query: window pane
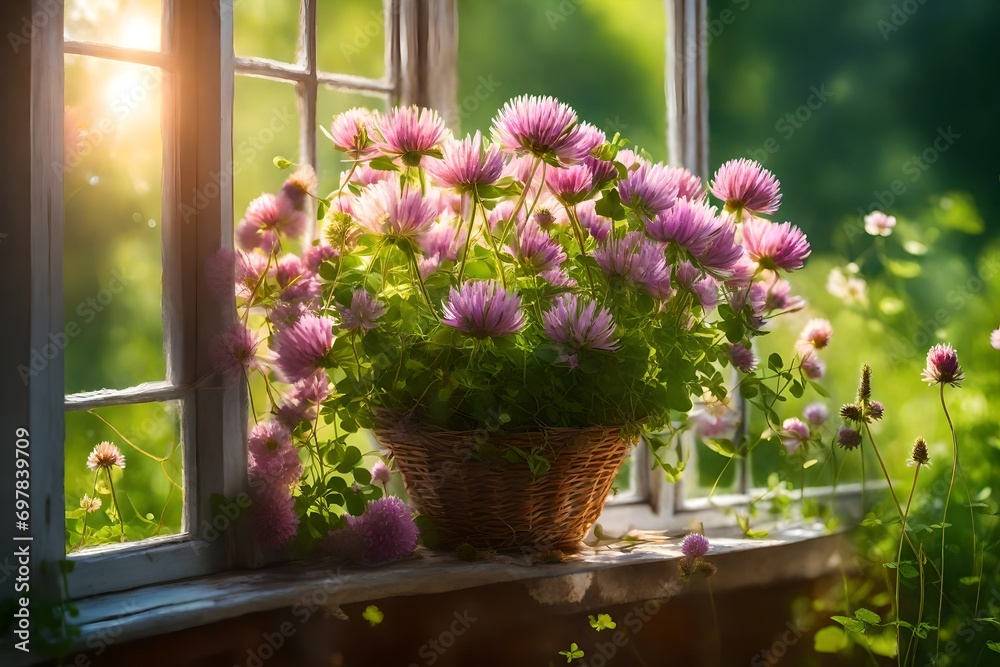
(712, 470)
(266, 29)
(265, 124)
(148, 491)
(604, 59)
(625, 480)
(330, 103)
(113, 334)
(351, 37)
(130, 23)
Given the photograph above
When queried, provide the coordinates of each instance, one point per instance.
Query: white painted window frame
(196, 222)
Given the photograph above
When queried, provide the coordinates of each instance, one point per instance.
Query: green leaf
(993, 646)
(352, 456)
(906, 569)
(867, 616)
(774, 362)
(852, 624)
(721, 446)
(969, 581)
(373, 615)
(903, 268)
(610, 205)
(428, 531)
(810, 463)
(818, 388)
(362, 475)
(383, 164)
(830, 639)
(573, 653)
(281, 163)
(479, 270)
(602, 622)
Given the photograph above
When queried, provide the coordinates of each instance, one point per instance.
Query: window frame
(193, 229)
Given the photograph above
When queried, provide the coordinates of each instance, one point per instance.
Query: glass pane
(148, 490)
(266, 29)
(351, 37)
(330, 103)
(130, 23)
(265, 124)
(712, 470)
(892, 140)
(606, 60)
(625, 480)
(112, 167)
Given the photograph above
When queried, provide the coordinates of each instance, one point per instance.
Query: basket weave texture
(496, 504)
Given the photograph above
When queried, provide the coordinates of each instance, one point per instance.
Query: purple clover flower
(578, 324)
(484, 309)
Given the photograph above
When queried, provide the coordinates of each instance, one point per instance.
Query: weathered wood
(428, 55)
(123, 54)
(686, 85)
(598, 574)
(147, 392)
(308, 99)
(46, 315)
(265, 68)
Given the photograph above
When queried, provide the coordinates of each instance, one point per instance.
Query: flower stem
(468, 239)
(885, 472)
(489, 237)
(888, 481)
(522, 197)
(114, 500)
(93, 494)
(944, 521)
(920, 611)
(578, 231)
(899, 556)
(420, 279)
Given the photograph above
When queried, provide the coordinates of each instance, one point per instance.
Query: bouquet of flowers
(547, 277)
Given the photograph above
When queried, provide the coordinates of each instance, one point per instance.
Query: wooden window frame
(196, 222)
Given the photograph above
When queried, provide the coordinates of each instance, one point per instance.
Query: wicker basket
(496, 504)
